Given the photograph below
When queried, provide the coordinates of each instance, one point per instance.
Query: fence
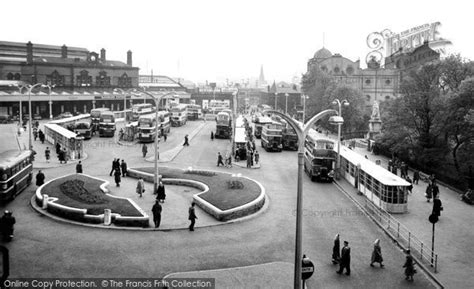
(402, 235)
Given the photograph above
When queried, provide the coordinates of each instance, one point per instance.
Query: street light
(49, 86)
(304, 106)
(20, 88)
(30, 113)
(156, 99)
(301, 130)
(339, 123)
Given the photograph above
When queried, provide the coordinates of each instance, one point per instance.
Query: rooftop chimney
(102, 54)
(64, 51)
(29, 52)
(129, 57)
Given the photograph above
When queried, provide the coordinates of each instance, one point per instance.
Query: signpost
(307, 269)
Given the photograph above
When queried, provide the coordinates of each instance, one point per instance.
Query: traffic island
(83, 198)
(224, 196)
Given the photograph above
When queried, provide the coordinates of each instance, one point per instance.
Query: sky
(214, 40)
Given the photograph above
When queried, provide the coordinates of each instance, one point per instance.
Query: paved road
(46, 248)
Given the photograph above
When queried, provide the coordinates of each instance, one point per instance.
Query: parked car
(64, 115)
(37, 117)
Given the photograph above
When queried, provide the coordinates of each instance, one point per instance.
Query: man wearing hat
(345, 261)
(6, 225)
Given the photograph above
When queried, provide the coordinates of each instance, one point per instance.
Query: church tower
(261, 78)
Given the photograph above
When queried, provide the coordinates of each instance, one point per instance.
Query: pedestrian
(7, 223)
(161, 194)
(186, 140)
(40, 178)
(428, 193)
(58, 148)
(64, 155)
(165, 136)
(47, 154)
(117, 177)
(79, 168)
(192, 216)
(335, 250)
(212, 135)
(257, 157)
(251, 158)
(35, 133)
(416, 177)
(437, 206)
(402, 170)
(144, 150)
(140, 187)
(435, 189)
(228, 161)
(248, 157)
(156, 210)
(219, 159)
(113, 166)
(409, 267)
(410, 187)
(432, 178)
(345, 259)
(377, 254)
(41, 136)
(123, 166)
(61, 156)
(366, 157)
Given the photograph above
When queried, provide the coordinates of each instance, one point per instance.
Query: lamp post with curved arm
(301, 130)
(156, 99)
(339, 124)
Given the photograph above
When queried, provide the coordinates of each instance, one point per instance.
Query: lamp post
(301, 130)
(20, 88)
(49, 86)
(30, 112)
(339, 124)
(156, 99)
(304, 107)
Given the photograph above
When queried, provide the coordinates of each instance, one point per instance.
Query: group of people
(220, 160)
(343, 258)
(38, 133)
(119, 169)
(61, 153)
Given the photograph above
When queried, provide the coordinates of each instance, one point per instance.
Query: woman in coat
(39, 178)
(409, 267)
(161, 193)
(377, 254)
(140, 187)
(336, 250)
(428, 193)
(117, 175)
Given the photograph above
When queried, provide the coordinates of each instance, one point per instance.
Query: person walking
(165, 136)
(416, 177)
(123, 166)
(161, 194)
(186, 140)
(40, 178)
(429, 192)
(113, 166)
(7, 222)
(144, 150)
(377, 254)
(248, 157)
(345, 259)
(47, 154)
(117, 177)
(140, 187)
(192, 216)
(58, 148)
(435, 189)
(257, 157)
(219, 159)
(156, 210)
(409, 267)
(79, 168)
(41, 136)
(212, 135)
(335, 250)
(35, 133)
(437, 206)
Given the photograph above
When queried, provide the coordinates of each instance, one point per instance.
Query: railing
(402, 235)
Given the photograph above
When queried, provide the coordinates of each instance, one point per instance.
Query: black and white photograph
(236, 144)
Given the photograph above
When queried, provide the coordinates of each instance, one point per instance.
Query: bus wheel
(311, 176)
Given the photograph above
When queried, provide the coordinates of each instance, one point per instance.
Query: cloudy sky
(213, 40)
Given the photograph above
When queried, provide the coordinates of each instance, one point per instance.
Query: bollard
(107, 217)
(44, 204)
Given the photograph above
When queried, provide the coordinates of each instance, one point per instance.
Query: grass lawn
(82, 192)
(220, 193)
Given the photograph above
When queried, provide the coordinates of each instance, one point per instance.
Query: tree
(314, 84)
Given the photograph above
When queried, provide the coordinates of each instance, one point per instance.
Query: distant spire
(323, 40)
(261, 78)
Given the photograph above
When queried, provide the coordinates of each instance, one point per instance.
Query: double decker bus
(319, 157)
(223, 125)
(165, 122)
(107, 124)
(194, 112)
(16, 173)
(179, 115)
(141, 109)
(271, 139)
(95, 117)
(83, 128)
(147, 128)
(289, 138)
(259, 123)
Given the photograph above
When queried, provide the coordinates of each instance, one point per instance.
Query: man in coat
(79, 168)
(161, 194)
(192, 216)
(345, 261)
(40, 178)
(123, 165)
(140, 187)
(113, 166)
(144, 150)
(7, 221)
(156, 210)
